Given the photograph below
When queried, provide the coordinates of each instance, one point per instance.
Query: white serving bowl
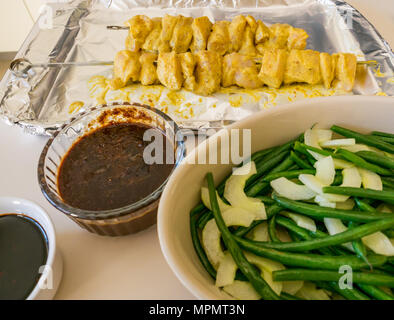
(49, 281)
(268, 128)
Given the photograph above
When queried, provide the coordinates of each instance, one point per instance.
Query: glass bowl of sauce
(30, 264)
(106, 168)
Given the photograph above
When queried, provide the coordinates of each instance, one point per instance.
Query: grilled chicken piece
(279, 36)
(182, 35)
(219, 39)
(126, 68)
(247, 46)
(168, 24)
(262, 33)
(303, 66)
(297, 39)
(346, 66)
(241, 70)
(169, 70)
(236, 30)
(140, 26)
(148, 69)
(201, 30)
(188, 64)
(273, 67)
(327, 68)
(152, 41)
(208, 72)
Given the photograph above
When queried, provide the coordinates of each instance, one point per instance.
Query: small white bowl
(268, 128)
(49, 281)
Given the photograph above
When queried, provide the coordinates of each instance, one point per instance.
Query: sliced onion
(311, 138)
(346, 205)
(205, 200)
(267, 267)
(370, 179)
(226, 271)
(235, 194)
(291, 190)
(292, 287)
(211, 234)
(335, 226)
(310, 292)
(211, 242)
(324, 202)
(260, 232)
(342, 164)
(357, 147)
(238, 217)
(323, 135)
(242, 290)
(317, 186)
(338, 143)
(379, 243)
(312, 183)
(384, 208)
(325, 170)
(301, 221)
(351, 178)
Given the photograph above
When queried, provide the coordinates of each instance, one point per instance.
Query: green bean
(287, 296)
(382, 134)
(198, 209)
(258, 283)
(271, 211)
(386, 196)
(338, 179)
(389, 233)
(260, 164)
(301, 163)
(266, 200)
(259, 186)
(385, 139)
(357, 160)
(198, 247)
(388, 268)
(358, 246)
(313, 260)
(265, 167)
(303, 148)
(259, 154)
(370, 141)
(324, 275)
(364, 206)
(376, 158)
(287, 174)
(337, 239)
(304, 234)
(350, 294)
(375, 292)
(204, 218)
(294, 236)
(272, 230)
(316, 211)
(387, 183)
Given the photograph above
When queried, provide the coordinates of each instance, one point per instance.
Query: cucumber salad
(286, 223)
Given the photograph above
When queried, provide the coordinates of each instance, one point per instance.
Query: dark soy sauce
(23, 249)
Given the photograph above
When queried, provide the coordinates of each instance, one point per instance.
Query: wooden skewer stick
(21, 67)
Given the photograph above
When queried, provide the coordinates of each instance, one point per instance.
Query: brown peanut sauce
(105, 169)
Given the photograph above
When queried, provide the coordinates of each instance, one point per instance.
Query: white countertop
(130, 267)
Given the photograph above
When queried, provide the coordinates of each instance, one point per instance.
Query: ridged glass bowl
(121, 221)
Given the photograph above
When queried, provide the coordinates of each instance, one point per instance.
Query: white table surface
(130, 267)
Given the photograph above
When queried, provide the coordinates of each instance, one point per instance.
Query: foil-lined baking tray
(76, 32)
